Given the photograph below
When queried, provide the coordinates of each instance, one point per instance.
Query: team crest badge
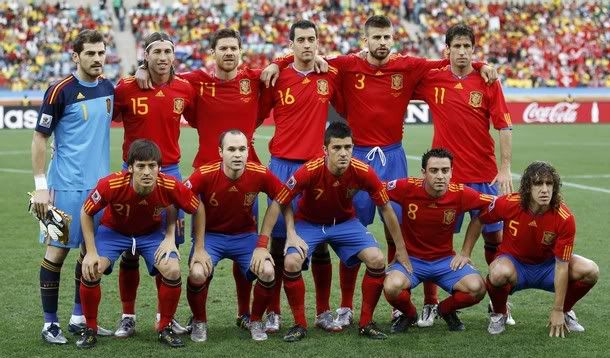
(448, 216)
(396, 81)
(178, 105)
(476, 99)
(249, 199)
(108, 105)
(351, 192)
(244, 87)
(548, 237)
(322, 87)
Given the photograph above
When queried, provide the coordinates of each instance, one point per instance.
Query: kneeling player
(537, 250)
(326, 214)
(135, 200)
(430, 206)
(228, 190)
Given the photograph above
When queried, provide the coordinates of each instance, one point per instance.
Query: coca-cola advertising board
(559, 112)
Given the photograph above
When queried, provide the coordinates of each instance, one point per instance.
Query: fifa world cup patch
(291, 183)
(391, 185)
(178, 105)
(244, 87)
(188, 184)
(397, 81)
(322, 87)
(448, 216)
(548, 237)
(249, 199)
(45, 120)
(476, 99)
(96, 196)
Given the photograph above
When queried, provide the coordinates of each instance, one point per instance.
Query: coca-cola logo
(562, 112)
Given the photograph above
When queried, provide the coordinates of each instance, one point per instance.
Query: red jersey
(131, 214)
(300, 110)
(375, 98)
(462, 109)
(326, 198)
(532, 239)
(428, 223)
(228, 203)
(154, 114)
(221, 106)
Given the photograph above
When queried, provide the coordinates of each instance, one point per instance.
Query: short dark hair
(534, 173)
(460, 29)
(302, 24)
(87, 37)
(378, 21)
(156, 36)
(143, 150)
(435, 153)
(224, 134)
(337, 129)
(223, 34)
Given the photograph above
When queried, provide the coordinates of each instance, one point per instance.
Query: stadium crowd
(553, 44)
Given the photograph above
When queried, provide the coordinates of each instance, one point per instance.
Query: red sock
(372, 285)
(197, 297)
(129, 280)
(243, 288)
(430, 293)
(347, 280)
(403, 303)
(274, 301)
(90, 296)
(577, 289)
(456, 301)
(262, 294)
(490, 252)
(295, 291)
(168, 297)
(498, 295)
(322, 272)
(391, 249)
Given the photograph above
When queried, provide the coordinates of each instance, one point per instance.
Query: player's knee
(476, 287)
(196, 275)
(393, 285)
(592, 273)
(499, 274)
(56, 255)
(293, 263)
(375, 259)
(171, 270)
(268, 273)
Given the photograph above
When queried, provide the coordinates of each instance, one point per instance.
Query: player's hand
(204, 259)
(363, 54)
(143, 79)
(489, 74)
(166, 247)
(557, 324)
(39, 203)
(91, 264)
(259, 256)
(504, 180)
(402, 258)
(458, 261)
(294, 240)
(320, 65)
(270, 75)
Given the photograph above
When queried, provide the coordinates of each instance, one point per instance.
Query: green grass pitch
(578, 151)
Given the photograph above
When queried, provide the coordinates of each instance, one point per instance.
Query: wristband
(40, 182)
(262, 242)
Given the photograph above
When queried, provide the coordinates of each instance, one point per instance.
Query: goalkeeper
(77, 112)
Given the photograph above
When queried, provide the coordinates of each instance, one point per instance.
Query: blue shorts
(173, 170)
(237, 247)
(71, 202)
(347, 239)
(438, 271)
(540, 276)
(485, 189)
(389, 162)
(112, 244)
(283, 170)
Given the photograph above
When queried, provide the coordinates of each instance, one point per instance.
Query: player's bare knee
(56, 255)
(170, 270)
(393, 285)
(373, 258)
(591, 272)
(293, 263)
(268, 273)
(196, 276)
(500, 274)
(476, 287)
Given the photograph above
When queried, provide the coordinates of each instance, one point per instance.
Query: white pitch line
(19, 171)
(14, 152)
(587, 176)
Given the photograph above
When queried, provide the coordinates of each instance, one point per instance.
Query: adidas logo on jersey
(459, 86)
(305, 81)
(433, 206)
(532, 223)
(80, 96)
(233, 188)
(336, 183)
(143, 202)
(160, 94)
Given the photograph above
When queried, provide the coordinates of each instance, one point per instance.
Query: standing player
(154, 115)
(463, 106)
(300, 102)
(135, 200)
(430, 207)
(228, 190)
(326, 215)
(77, 110)
(537, 250)
(375, 92)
